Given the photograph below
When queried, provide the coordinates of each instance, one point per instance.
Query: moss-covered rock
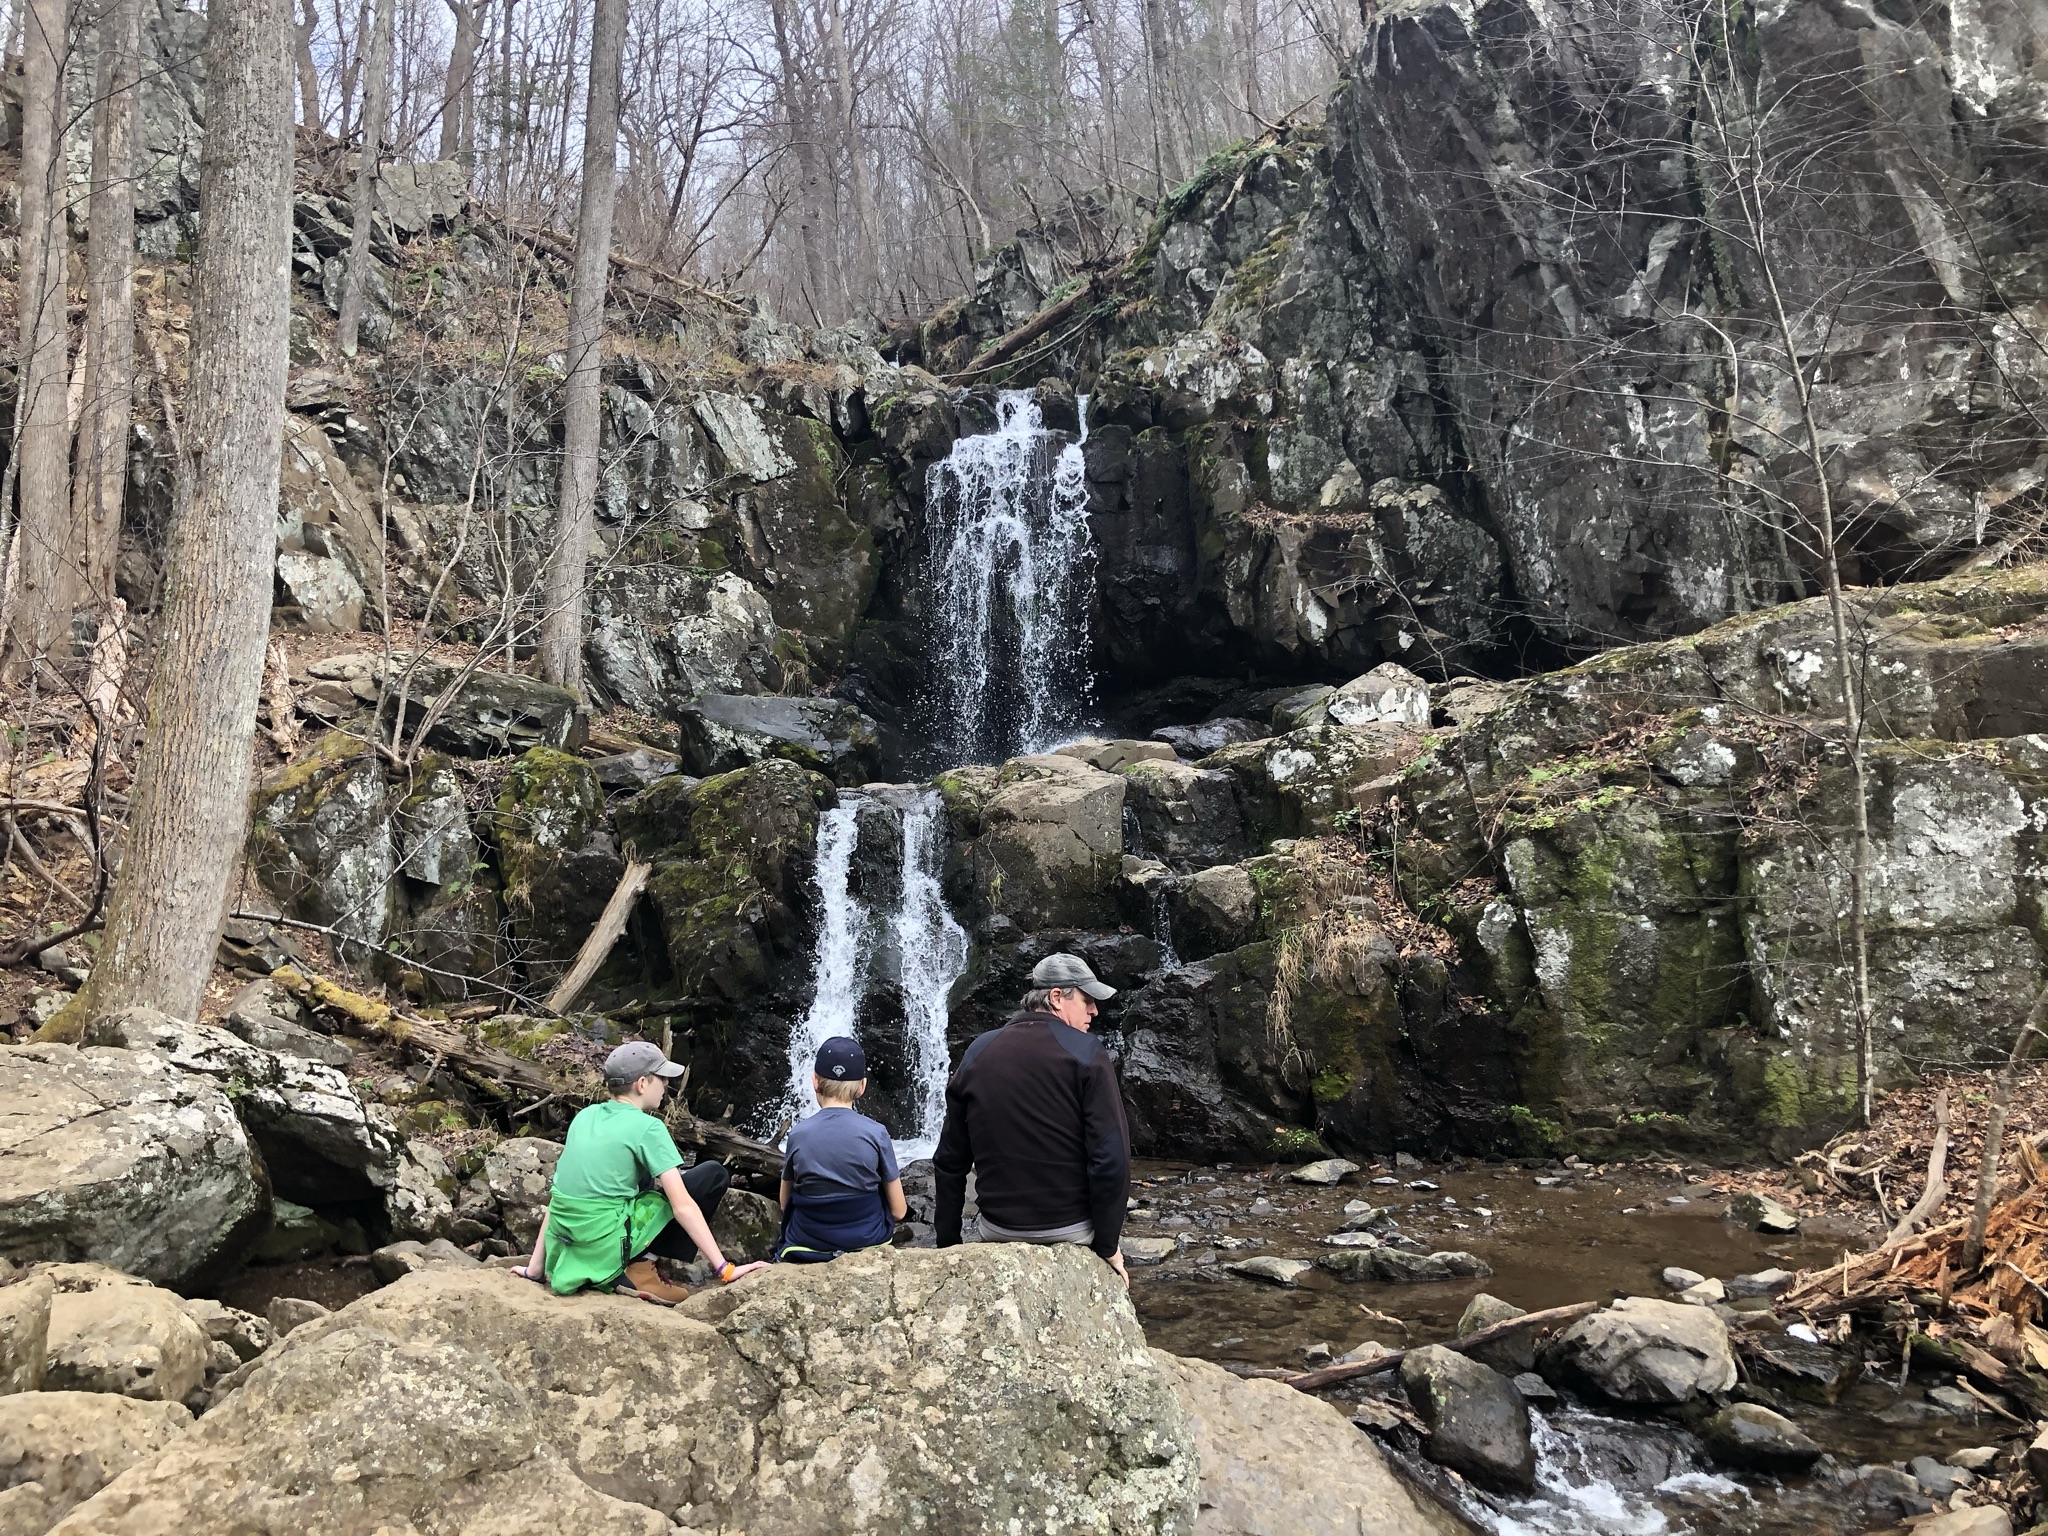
(557, 864)
(1317, 779)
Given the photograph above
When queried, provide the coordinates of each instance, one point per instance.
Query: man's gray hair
(1038, 999)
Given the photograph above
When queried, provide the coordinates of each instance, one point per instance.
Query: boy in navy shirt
(840, 1187)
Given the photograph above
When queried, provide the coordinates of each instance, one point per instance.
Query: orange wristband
(725, 1274)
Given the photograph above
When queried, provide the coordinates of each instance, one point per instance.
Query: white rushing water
(1013, 577)
(907, 939)
(1581, 1492)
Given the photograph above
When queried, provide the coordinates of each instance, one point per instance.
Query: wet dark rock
(1390, 1266)
(1754, 1439)
(1814, 1373)
(632, 770)
(1198, 741)
(1512, 1355)
(1534, 1388)
(1764, 1282)
(1476, 1419)
(721, 732)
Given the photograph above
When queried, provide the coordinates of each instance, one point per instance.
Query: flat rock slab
(1275, 1271)
(1395, 1266)
(1148, 1250)
(1329, 1170)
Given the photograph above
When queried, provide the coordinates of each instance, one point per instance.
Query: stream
(1575, 1236)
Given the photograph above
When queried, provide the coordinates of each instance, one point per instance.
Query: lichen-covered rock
(718, 733)
(660, 635)
(133, 1339)
(320, 837)
(486, 713)
(24, 1332)
(354, 1434)
(320, 1142)
(1039, 840)
(420, 1200)
(1388, 692)
(1299, 784)
(67, 1446)
(1277, 1462)
(746, 1226)
(117, 1156)
(1651, 1352)
(519, 1172)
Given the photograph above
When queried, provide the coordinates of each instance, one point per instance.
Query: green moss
(1329, 1086)
(1295, 1143)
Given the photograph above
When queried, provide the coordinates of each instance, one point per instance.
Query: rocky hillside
(1324, 447)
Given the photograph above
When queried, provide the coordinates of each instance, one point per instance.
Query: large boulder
(355, 1434)
(1656, 1353)
(1304, 783)
(1038, 840)
(660, 634)
(320, 837)
(781, 1405)
(58, 1449)
(118, 1156)
(1187, 816)
(1277, 1462)
(1476, 1420)
(320, 1142)
(718, 732)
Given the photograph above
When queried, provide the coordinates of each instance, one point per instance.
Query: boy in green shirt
(621, 1196)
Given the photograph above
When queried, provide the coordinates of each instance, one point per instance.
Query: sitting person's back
(1035, 1112)
(840, 1186)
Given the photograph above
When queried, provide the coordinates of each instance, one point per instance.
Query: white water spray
(1013, 578)
(910, 940)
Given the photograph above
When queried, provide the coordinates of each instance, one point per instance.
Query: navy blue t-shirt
(838, 1151)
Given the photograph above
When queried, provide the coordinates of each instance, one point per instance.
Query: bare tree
(46, 590)
(190, 802)
(458, 100)
(109, 404)
(561, 641)
(376, 101)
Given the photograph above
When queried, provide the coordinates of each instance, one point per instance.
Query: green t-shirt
(614, 1152)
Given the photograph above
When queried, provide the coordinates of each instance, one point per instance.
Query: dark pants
(707, 1184)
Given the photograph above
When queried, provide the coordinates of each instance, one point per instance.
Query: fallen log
(610, 924)
(1984, 1368)
(1003, 348)
(503, 1075)
(1333, 1375)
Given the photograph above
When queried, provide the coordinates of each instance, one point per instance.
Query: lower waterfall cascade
(901, 937)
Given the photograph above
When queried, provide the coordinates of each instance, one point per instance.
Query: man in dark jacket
(1035, 1110)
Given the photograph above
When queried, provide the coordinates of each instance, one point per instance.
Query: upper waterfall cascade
(1012, 567)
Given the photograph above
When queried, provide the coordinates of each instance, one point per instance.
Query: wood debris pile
(2001, 1298)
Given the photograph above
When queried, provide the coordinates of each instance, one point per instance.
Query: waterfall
(895, 945)
(1012, 570)
(842, 957)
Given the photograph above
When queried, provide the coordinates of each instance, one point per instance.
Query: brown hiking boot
(645, 1277)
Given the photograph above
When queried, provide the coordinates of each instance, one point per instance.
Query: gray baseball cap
(637, 1059)
(1070, 971)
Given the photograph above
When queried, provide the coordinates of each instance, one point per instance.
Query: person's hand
(1116, 1262)
(741, 1271)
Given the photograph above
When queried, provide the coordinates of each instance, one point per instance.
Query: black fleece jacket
(1034, 1108)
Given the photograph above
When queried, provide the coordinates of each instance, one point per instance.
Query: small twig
(535, 1107)
(1937, 1181)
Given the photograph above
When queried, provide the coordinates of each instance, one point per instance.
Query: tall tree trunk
(44, 581)
(376, 99)
(561, 633)
(458, 103)
(796, 109)
(191, 798)
(310, 112)
(865, 288)
(109, 303)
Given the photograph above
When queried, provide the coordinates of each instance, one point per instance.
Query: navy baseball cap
(842, 1060)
